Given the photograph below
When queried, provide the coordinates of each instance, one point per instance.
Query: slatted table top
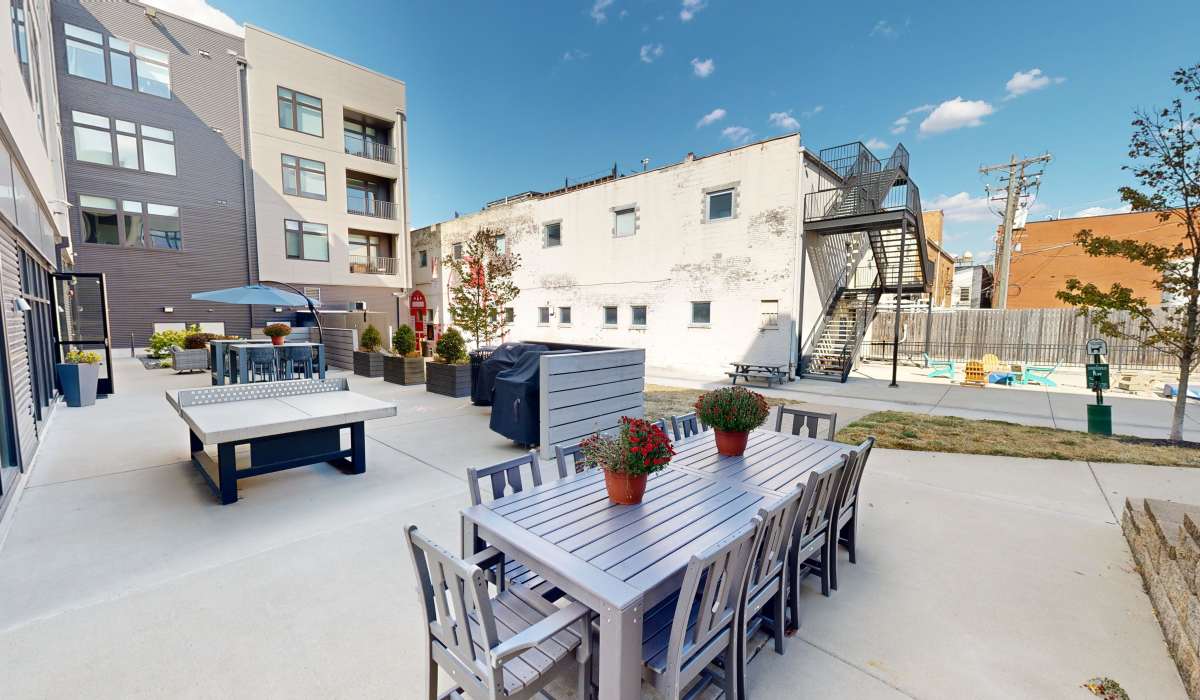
(773, 462)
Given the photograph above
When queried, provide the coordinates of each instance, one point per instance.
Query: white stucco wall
(675, 258)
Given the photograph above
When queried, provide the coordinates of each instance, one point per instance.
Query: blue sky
(506, 97)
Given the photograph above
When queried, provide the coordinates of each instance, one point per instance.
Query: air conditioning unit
(360, 306)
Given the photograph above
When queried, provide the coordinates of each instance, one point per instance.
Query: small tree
(451, 347)
(404, 340)
(483, 286)
(1165, 150)
(370, 339)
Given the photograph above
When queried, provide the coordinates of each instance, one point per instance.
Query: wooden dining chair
(766, 578)
(497, 481)
(569, 459)
(686, 426)
(806, 419)
(686, 632)
(809, 551)
(843, 528)
(509, 646)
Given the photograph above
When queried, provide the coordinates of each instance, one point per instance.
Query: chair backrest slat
(503, 479)
(809, 420)
(852, 478)
(772, 541)
(569, 459)
(686, 426)
(818, 503)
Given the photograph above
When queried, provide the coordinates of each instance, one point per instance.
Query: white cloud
(905, 119)
(884, 29)
(784, 120)
(714, 116)
(1104, 211)
(813, 112)
(200, 11)
(899, 125)
(1029, 81)
(650, 52)
(961, 207)
(876, 145)
(575, 55)
(690, 7)
(956, 114)
(600, 10)
(703, 68)
(737, 134)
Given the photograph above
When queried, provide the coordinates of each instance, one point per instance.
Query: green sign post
(1099, 415)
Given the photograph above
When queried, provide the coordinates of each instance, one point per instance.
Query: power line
(1018, 178)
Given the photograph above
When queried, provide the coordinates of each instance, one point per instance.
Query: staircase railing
(866, 313)
(839, 286)
(849, 159)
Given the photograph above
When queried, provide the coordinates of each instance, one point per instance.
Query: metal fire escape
(875, 210)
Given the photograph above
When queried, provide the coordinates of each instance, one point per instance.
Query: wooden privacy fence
(340, 344)
(1032, 336)
(588, 392)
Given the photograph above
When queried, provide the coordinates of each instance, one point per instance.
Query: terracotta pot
(625, 489)
(277, 340)
(731, 444)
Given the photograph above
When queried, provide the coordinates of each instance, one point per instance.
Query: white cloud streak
(812, 112)
(1028, 81)
(704, 68)
(783, 120)
(689, 9)
(739, 135)
(712, 117)
(200, 11)
(600, 10)
(876, 144)
(1104, 211)
(650, 52)
(961, 208)
(956, 114)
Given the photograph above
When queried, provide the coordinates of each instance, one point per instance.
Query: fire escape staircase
(875, 209)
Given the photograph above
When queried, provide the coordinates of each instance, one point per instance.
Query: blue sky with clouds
(506, 97)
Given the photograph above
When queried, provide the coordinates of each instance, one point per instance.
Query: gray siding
(18, 349)
(205, 114)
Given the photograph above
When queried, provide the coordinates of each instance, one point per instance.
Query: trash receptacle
(1099, 419)
(477, 358)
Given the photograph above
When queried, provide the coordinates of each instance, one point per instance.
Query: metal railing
(898, 159)
(371, 150)
(850, 159)
(376, 208)
(372, 265)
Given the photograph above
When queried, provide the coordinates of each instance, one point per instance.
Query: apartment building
(972, 284)
(743, 255)
(199, 160)
(33, 240)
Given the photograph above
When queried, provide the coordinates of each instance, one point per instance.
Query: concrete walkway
(978, 577)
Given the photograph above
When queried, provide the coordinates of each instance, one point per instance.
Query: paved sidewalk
(978, 577)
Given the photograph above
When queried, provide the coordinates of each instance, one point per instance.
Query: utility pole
(1017, 181)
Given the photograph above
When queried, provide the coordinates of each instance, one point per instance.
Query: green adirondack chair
(941, 368)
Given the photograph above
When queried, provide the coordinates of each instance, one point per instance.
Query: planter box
(448, 380)
(78, 383)
(368, 364)
(404, 370)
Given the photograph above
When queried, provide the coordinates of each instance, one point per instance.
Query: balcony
(372, 265)
(375, 208)
(370, 150)
(368, 137)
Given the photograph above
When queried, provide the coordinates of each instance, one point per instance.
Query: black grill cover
(515, 399)
(502, 358)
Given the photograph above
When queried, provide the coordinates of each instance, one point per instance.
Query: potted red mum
(732, 412)
(638, 450)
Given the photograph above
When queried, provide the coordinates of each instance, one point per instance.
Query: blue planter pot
(78, 383)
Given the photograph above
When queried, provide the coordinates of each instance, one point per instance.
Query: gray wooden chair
(843, 529)
(766, 577)
(686, 426)
(569, 459)
(685, 633)
(502, 480)
(509, 646)
(809, 551)
(806, 419)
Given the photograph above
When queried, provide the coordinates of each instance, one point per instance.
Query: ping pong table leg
(358, 448)
(226, 470)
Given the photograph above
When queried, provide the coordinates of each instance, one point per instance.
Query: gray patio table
(621, 560)
(219, 358)
(244, 367)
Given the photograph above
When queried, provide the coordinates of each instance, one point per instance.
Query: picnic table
(748, 371)
(286, 424)
(243, 367)
(621, 560)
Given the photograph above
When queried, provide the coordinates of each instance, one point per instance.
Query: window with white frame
(306, 240)
(136, 147)
(543, 315)
(718, 205)
(638, 316)
(564, 315)
(770, 313)
(624, 222)
(501, 242)
(552, 234)
(610, 316)
(701, 313)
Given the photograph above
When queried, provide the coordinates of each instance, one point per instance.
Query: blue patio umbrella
(260, 295)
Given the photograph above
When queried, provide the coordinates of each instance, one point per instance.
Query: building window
(639, 316)
(501, 242)
(303, 177)
(770, 313)
(624, 222)
(422, 258)
(305, 240)
(964, 295)
(153, 71)
(719, 205)
(366, 245)
(120, 62)
(552, 234)
(564, 315)
(701, 313)
(97, 138)
(610, 316)
(543, 315)
(163, 223)
(85, 53)
(99, 216)
(20, 35)
(457, 251)
(132, 218)
(509, 315)
(300, 112)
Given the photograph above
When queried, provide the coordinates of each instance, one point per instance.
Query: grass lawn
(915, 431)
(667, 401)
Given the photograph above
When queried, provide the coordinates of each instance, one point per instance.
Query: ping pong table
(287, 424)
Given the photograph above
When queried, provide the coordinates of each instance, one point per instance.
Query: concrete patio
(978, 577)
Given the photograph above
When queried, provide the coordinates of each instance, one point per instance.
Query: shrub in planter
(732, 412)
(78, 377)
(198, 341)
(638, 450)
(404, 340)
(277, 332)
(406, 366)
(449, 374)
(368, 361)
(370, 341)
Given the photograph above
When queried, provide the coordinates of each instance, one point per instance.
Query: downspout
(403, 145)
(798, 294)
(247, 177)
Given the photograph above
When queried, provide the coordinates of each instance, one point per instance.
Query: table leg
(243, 366)
(621, 653)
(218, 363)
(321, 360)
(358, 448)
(226, 470)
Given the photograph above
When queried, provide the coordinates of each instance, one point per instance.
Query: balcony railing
(371, 265)
(370, 150)
(376, 208)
